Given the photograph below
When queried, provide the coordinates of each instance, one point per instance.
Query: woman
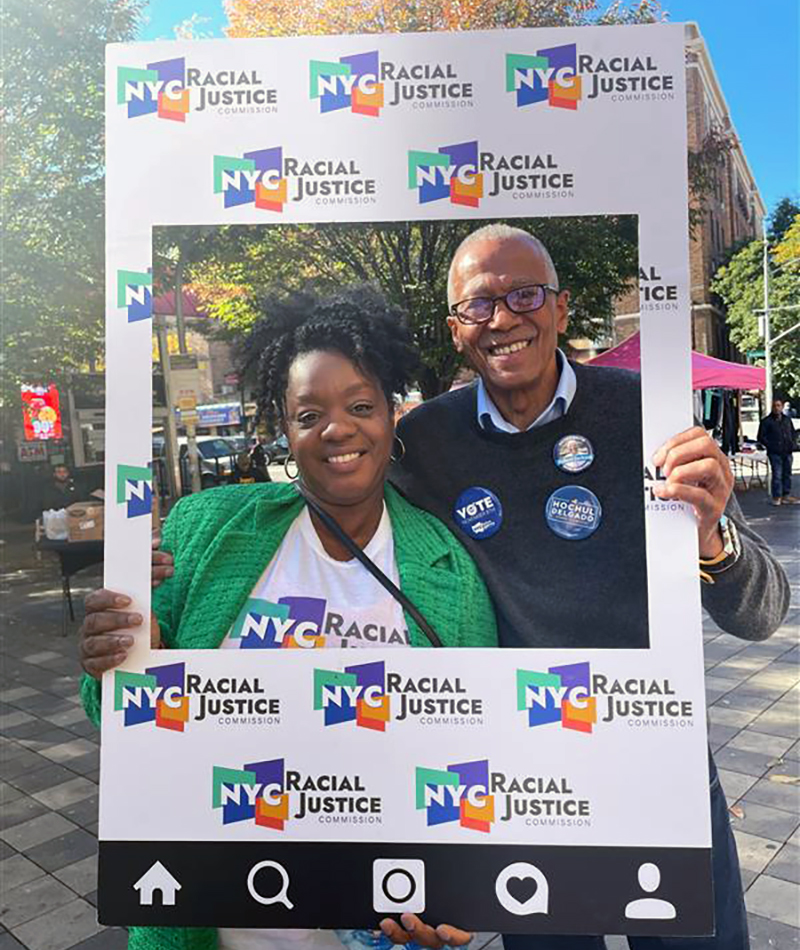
(327, 375)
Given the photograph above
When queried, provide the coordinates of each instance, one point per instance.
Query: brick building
(735, 210)
(734, 213)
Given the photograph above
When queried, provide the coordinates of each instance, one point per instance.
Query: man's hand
(416, 930)
(699, 474)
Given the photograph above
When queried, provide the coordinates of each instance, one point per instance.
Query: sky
(755, 49)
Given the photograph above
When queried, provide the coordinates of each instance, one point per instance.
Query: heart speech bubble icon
(537, 903)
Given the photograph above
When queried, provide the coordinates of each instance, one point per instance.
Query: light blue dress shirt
(489, 416)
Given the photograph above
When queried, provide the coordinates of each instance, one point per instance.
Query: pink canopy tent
(707, 372)
(165, 303)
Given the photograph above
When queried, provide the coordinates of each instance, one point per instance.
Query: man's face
(61, 473)
(512, 350)
(777, 407)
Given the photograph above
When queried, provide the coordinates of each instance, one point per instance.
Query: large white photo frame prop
(615, 132)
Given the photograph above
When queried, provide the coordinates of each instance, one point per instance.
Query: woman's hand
(426, 936)
(161, 563)
(103, 642)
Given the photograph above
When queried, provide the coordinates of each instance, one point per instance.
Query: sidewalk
(49, 756)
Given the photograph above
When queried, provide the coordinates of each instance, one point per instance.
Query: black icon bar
(509, 888)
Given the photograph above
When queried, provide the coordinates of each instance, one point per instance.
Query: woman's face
(338, 426)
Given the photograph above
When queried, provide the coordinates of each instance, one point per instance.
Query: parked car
(216, 456)
(276, 451)
(240, 442)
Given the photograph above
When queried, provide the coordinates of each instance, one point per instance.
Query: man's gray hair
(502, 232)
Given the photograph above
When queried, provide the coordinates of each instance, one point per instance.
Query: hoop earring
(290, 460)
(399, 458)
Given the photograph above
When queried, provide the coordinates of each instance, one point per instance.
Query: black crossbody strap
(335, 528)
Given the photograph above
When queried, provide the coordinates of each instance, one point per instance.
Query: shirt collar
(489, 417)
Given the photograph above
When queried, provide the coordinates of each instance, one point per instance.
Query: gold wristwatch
(727, 557)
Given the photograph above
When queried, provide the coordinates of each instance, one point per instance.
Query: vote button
(478, 513)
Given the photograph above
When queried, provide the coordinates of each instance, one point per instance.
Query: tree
(787, 251)
(782, 218)
(706, 165)
(289, 18)
(740, 283)
(52, 186)
(596, 257)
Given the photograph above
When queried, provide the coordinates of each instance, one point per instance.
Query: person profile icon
(650, 908)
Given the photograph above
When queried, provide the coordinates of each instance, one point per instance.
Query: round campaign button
(478, 513)
(573, 512)
(573, 453)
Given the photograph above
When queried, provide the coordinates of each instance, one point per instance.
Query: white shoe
(790, 500)
(775, 502)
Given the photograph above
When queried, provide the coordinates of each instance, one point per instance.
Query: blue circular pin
(573, 512)
(478, 513)
(573, 453)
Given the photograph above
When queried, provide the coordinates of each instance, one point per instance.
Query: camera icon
(398, 886)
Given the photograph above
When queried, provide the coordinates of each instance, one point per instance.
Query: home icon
(157, 878)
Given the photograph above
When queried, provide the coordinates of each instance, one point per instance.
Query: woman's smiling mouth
(344, 458)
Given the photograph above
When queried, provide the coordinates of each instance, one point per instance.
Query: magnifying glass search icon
(282, 896)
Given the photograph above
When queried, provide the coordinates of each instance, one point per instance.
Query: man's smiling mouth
(506, 349)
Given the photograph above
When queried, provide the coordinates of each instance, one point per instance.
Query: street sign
(183, 361)
(187, 400)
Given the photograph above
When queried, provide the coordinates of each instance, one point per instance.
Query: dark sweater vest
(547, 591)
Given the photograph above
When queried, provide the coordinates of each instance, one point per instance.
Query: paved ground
(49, 757)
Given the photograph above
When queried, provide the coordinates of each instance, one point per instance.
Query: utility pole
(171, 433)
(767, 328)
(182, 348)
(191, 432)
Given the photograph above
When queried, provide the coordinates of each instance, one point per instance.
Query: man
(258, 456)
(504, 444)
(776, 433)
(245, 472)
(60, 491)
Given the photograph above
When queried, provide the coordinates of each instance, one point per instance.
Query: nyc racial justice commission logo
(304, 623)
(465, 174)
(576, 699)
(560, 77)
(135, 489)
(369, 697)
(472, 796)
(170, 698)
(269, 794)
(269, 179)
(134, 294)
(170, 90)
(365, 84)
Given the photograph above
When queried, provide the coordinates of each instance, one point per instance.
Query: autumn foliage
(249, 18)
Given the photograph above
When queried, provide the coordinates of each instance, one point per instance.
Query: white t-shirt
(307, 599)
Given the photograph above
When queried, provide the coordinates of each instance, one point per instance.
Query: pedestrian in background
(776, 433)
(59, 492)
(259, 458)
(246, 473)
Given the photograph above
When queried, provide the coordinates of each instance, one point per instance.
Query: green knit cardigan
(222, 541)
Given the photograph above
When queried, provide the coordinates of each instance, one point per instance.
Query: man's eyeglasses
(522, 300)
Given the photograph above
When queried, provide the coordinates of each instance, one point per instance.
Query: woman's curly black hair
(357, 322)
